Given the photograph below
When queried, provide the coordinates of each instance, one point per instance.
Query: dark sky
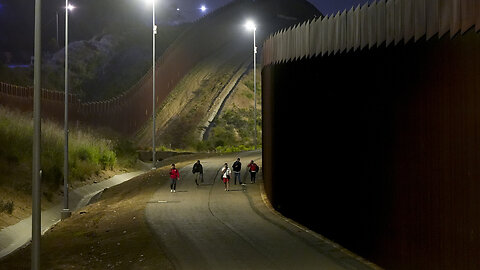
(325, 6)
(17, 17)
(332, 6)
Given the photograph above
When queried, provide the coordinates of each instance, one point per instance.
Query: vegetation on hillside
(89, 154)
(233, 132)
(16, 76)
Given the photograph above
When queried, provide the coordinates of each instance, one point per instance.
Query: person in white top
(226, 176)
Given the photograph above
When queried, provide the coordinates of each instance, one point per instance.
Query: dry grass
(109, 234)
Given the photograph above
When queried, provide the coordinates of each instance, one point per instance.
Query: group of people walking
(226, 174)
(252, 167)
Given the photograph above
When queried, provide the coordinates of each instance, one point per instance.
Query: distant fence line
(372, 25)
(129, 111)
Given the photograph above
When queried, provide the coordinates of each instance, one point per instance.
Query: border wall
(128, 112)
(375, 114)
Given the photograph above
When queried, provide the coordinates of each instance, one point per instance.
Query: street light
(37, 130)
(250, 26)
(66, 210)
(203, 8)
(154, 32)
(68, 7)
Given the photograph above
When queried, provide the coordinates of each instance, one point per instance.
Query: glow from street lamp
(149, 2)
(250, 25)
(70, 7)
(203, 8)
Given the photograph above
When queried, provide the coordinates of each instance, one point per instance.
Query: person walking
(198, 171)
(253, 169)
(174, 177)
(237, 166)
(226, 176)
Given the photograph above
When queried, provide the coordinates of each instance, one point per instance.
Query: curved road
(206, 227)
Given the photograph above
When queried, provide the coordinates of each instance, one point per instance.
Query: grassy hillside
(90, 155)
(212, 106)
(233, 130)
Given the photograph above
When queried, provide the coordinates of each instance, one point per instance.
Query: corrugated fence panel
(432, 18)
(456, 23)
(284, 46)
(319, 31)
(325, 35)
(390, 22)
(297, 49)
(381, 22)
(420, 19)
(444, 16)
(331, 35)
(303, 34)
(314, 40)
(306, 40)
(342, 25)
(468, 14)
(398, 21)
(364, 26)
(276, 45)
(281, 46)
(409, 20)
(372, 25)
(357, 41)
(291, 44)
(350, 35)
(336, 41)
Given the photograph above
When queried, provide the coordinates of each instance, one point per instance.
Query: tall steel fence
(372, 25)
(128, 112)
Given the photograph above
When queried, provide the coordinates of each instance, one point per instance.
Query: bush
(6, 207)
(233, 132)
(88, 152)
(107, 159)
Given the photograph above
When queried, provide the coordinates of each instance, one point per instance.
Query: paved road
(206, 227)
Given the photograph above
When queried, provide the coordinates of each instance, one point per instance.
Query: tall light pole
(37, 128)
(250, 26)
(66, 210)
(154, 32)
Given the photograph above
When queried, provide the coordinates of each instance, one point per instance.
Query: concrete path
(17, 235)
(206, 227)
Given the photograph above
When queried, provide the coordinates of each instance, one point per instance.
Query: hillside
(212, 105)
(92, 156)
(105, 69)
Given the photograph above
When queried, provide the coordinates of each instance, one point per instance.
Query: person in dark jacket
(236, 167)
(198, 171)
(253, 169)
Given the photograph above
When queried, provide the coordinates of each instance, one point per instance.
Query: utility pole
(36, 166)
(255, 86)
(66, 211)
(154, 160)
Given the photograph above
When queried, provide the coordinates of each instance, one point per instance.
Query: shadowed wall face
(379, 150)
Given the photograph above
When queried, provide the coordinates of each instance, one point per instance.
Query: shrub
(6, 207)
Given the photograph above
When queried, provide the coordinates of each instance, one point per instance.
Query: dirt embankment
(109, 234)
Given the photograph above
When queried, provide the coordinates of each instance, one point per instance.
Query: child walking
(226, 176)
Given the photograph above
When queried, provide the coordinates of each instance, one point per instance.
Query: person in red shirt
(174, 177)
(253, 169)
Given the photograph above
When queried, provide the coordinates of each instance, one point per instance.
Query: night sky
(17, 17)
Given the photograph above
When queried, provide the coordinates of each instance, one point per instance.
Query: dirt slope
(223, 80)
